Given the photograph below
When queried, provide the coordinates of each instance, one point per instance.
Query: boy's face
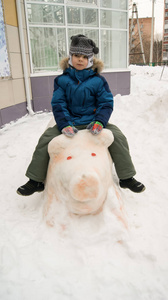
(79, 61)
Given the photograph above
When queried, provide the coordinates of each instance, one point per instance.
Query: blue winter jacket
(81, 97)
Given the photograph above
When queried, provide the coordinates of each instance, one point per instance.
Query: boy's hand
(69, 131)
(95, 127)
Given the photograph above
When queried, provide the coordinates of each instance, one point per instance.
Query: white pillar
(152, 34)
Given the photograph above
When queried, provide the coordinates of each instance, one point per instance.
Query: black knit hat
(82, 45)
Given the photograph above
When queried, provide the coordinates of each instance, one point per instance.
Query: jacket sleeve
(59, 106)
(104, 102)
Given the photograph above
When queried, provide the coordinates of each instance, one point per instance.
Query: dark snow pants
(119, 151)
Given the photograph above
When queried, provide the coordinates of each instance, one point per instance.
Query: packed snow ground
(91, 257)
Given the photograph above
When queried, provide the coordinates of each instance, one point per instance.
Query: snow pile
(91, 257)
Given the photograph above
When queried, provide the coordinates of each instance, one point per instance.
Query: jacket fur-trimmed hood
(97, 64)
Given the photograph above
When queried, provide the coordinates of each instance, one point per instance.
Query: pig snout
(84, 187)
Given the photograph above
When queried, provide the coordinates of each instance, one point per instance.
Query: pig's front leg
(50, 209)
(117, 208)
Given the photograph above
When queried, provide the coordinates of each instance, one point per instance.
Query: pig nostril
(69, 157)
(93, 154)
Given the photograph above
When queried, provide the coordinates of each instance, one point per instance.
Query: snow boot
(132, 184)
(30, 188)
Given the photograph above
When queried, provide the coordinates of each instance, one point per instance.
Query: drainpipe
(23, 54)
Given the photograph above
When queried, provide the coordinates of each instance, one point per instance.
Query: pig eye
(93, 154)
(69, 157)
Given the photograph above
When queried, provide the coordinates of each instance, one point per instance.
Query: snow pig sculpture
(79, 172)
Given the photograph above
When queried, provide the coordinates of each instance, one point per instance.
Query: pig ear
(106, 137)
(58, 144)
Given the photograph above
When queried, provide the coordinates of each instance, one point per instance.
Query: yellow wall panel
(10, 12)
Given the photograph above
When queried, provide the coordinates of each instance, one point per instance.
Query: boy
(81, 99)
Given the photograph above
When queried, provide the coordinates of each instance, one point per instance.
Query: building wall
(12, 89)
(165, 32)
(145, 28)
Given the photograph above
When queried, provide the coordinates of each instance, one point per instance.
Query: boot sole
(29, 194)
(144, 188)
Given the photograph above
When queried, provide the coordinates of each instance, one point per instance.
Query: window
(82, 1)
(4, 62)
(48, 47)
(115, 4)
(45, 14)
(165, 47)
(82, 16)
(114, 56)
(54, 1)
(165, 55)
(113, 19)
(51, 23)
